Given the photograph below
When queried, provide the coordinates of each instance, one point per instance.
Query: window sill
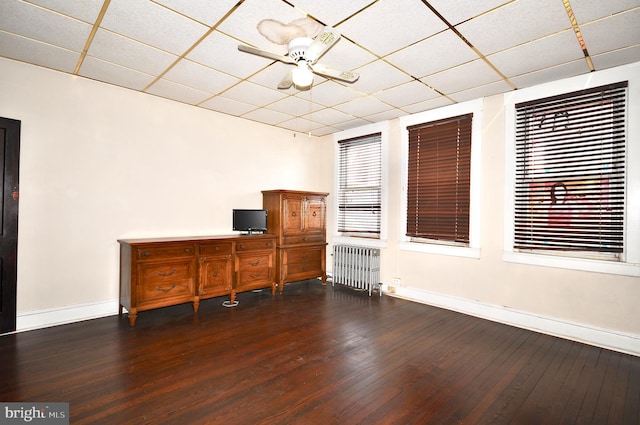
(351, 240)
(427, 248)
(597, 266)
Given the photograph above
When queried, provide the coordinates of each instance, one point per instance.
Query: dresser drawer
(256, 245)
(165, 251)
(165, 281)
(299, 256)
(303, 239)
(214, 248)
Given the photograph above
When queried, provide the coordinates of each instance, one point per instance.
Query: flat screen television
(250, 221)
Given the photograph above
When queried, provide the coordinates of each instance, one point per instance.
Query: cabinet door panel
(314, 217)
(216, 276)
(254, 270)
(292, 217)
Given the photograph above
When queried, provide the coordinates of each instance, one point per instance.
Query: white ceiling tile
(377, 76)
(539, 54)
(228, 106)
(549, 74)
(43, 25)
(427, 105)
(178, 92)
(587, 11)
(253, 94)
(331, 93)
(346, 56)
(456, 79)
(220, 52)
(85, 10)
(442, 51)
(357, 122)
(599, 37)
(519, 22)
(129, 53)
(152, 24)
(481, 91)
(363, 106)
(328, 116)
(114, 74)
(295, 106)
(616, 57)
(37, 53)
(386, 115)
(406, 94)
(459, 11)
(204, 11)
(376, 28)
(200, 77)
(267, 116)
(300, 125)
(331, 12)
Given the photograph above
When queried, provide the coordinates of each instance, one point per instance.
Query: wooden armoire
(298, 219)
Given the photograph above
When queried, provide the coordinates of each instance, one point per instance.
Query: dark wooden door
(9, 163)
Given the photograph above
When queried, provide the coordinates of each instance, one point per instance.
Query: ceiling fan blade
(323, 42)
(265, 54)
(348, 76)
(287, 81)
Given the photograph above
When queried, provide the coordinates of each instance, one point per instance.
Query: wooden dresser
(160, 272)
(298, 219)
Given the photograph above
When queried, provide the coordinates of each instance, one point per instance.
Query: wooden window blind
(439, 172)
(570, 171)
(360, 185)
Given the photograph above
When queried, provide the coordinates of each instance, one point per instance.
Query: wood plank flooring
(316, 355)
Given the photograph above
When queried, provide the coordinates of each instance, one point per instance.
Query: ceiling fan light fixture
(302, 75)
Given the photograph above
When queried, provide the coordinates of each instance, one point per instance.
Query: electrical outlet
(396, 281)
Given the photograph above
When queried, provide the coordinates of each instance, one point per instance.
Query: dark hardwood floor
(316, 355)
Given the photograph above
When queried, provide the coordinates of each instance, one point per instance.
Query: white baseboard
(604, 338)
(68, 314)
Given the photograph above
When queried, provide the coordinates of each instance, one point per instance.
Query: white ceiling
(412, 55)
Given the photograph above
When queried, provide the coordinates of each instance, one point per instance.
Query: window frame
(357, 239)
(629, 261)
(472, 250)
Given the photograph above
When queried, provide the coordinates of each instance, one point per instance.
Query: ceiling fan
(304, 52)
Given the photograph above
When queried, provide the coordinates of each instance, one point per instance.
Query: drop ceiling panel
(601, 39)
(328, 116)
(178, 92)
(253, 94)
(129, 53)
(331, 12)
(480, 91)
(267, 116)
(567, 70)
(363, 106)
(437, 53)
(456, 79)
(516, 23)
(46, 26)
(456, 12)
(85, 10)
(379, 75)
(111, 73)
(204, 11)
(37, 53)
(220, 52)
(587, 11)
(539, 54)
(200, 77)
(295, 106)
(406, 94)
(617, 57)
(153, 24)
(228, 106)
(331, 93)
(376, 28)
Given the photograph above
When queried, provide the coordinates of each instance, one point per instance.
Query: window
(438, 180)
(570, 172)
(599, 228)
(360, 186)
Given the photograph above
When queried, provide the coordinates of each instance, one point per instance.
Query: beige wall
(100, 163)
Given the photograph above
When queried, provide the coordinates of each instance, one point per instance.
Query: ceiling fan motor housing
(298, 47)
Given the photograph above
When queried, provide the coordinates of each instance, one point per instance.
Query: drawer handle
(293, 214)
(147, 253)
(171, 273)
(187, 250)
(314, 213)
(255, 263)
(255, 275)
(160, 288)
(305, 257)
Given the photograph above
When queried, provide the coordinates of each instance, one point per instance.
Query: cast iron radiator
(357, 267)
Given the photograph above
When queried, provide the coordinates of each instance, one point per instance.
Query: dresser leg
(196, 304)
(133, 315)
